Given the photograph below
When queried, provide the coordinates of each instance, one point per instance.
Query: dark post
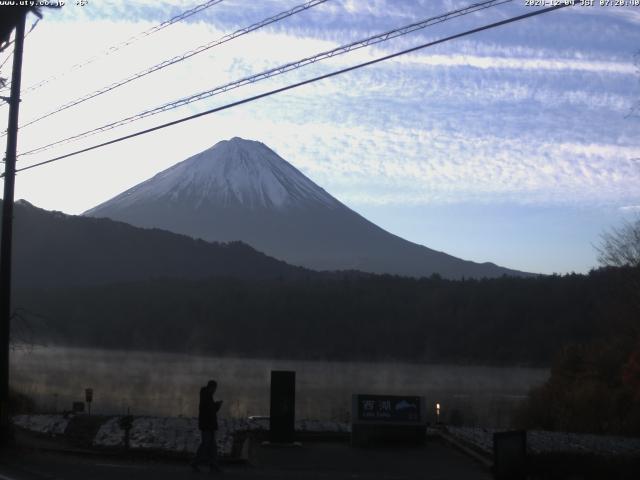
(510, 455)
(283, 406)
(88, 398)
(7, 231)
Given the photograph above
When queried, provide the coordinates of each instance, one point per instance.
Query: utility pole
(7, 231)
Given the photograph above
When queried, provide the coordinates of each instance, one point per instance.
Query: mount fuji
(242, 190)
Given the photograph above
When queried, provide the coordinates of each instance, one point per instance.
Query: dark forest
(524, 321)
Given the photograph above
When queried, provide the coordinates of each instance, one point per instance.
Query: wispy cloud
(519, 63)
(630, 208)
(489, 118)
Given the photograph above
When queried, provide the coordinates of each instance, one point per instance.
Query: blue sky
(518, 145)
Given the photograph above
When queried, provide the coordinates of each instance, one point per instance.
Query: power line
(11, 42)
(7, 45)
(165, 24)
(180, 58)
(6, 59)
(374, 39)
(126, 43)
(299, 84)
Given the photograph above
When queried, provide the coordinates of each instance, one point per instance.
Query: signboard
(388, 419)
(389, 408)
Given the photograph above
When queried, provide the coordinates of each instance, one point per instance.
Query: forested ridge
(342, 316)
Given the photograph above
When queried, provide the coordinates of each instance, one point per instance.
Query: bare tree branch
(620, 247)
(23, 329)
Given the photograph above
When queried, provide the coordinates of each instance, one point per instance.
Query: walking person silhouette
(208, 424)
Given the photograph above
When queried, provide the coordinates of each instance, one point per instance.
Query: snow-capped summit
(235, 171)
(242, 190)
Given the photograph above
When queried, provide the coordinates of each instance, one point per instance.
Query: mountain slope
(242, 190)
(54, 249)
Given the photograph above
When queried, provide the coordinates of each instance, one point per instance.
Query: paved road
(313, 460)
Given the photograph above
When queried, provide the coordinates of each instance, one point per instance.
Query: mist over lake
(150, 383)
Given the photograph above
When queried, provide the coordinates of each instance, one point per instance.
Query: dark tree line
(595, 383)
(498, 321)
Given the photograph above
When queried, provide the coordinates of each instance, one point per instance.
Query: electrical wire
(125, 43)
(25, 37)
(7, 45)
(6, 59)
(12, 41)
(180, 58)
(33, 26)
(299, 84)
(374, 39)
(10, 55)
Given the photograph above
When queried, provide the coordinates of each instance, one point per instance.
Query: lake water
(151, 383)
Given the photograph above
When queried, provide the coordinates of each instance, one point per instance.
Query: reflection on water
(168, 384)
